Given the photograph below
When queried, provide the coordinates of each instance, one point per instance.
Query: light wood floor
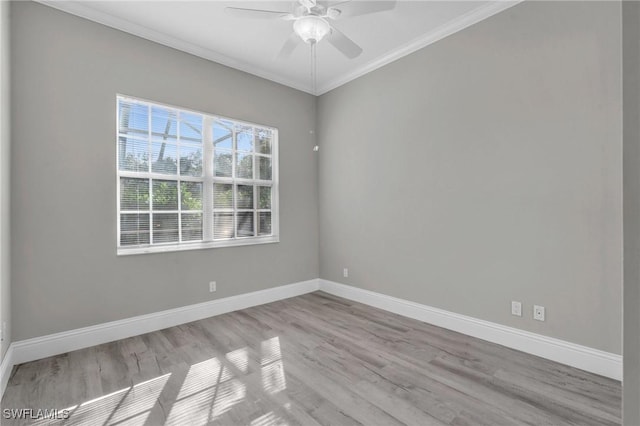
(309, 360)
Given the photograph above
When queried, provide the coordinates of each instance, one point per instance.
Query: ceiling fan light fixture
(311, 28)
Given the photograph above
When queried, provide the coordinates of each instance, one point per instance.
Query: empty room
(314, 212)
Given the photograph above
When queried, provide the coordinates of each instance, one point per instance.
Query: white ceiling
(204, 29)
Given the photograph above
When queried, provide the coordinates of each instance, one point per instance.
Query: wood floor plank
(315, 359)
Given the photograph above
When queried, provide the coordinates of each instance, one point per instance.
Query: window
(191, 180)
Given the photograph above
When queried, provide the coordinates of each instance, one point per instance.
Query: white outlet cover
(212, 286)
(516, 308)
(538, 312)
(345, 272)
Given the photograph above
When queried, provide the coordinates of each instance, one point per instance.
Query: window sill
(165, 248)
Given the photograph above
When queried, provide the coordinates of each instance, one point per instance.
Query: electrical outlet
(516, 308)
(538, 312)
(212, 286)
(345, 272)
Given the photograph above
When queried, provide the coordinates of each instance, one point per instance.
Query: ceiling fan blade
(308, 3)
(255, 13)
(344, 44)
(289, 46)
(351, 8)
(331, 3)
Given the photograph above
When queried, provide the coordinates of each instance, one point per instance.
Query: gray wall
(482, 169)
(66, 72)
(631, 107)
(486, 168)
(5, 284)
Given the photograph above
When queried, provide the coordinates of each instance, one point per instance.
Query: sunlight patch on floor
(208, 391)
(269, 419)
(273, 379)
(203, 375)
(270, 351)
(129, 404)
(208, 404)
(239, 358)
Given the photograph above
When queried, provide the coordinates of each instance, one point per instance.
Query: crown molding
(87, 12)
(451, 27)
(458, 24)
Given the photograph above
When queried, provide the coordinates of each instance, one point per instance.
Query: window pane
(167, 173)
(190, 160)
(165, 195)
(164, 156)
(134, 222)
(222, 163)
(165, 227)
(263, 141)
(134, 194)
(222, 226)
(245, 197)
(222, 135)
(133, 154)
(134, 118)
(134, 239)
(134, 229)
(244, 166)
(191, 195)
(222, 196)
(245, 224)
(264, 168)
(264, 223)
(264, 197)
(164, 124)
(191, 127)
(244, 139)
(191, 226)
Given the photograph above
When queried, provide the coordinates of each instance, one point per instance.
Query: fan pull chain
(314, 77)
(314, 73)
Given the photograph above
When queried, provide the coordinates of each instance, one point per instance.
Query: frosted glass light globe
(311, 29)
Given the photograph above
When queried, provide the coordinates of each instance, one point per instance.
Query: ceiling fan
(311, 22)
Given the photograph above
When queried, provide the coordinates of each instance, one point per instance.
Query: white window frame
(208, 179)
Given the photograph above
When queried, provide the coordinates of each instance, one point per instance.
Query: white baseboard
(55, 344)
(585, 358)
(5, 369)
(582, 357)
